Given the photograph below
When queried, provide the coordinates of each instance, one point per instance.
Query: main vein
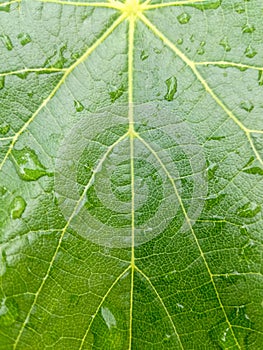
(131, 134)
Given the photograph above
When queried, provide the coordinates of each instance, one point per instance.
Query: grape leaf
(131, 174)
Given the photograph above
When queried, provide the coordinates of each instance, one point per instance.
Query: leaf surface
(131, 149)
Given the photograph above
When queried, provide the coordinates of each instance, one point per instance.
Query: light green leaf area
(131, 183)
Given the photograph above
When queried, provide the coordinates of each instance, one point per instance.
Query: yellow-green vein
(131, 134)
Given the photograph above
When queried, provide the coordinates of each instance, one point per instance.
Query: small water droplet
(28, 166)
(7, 42)
(4, 128)
(249, 210)
(260, 78)
(201, 50)
(248, 28)
(184, 18)
(171, 84)
(247, 106)
(144, 55)
(17, 207)
(211, 170)
(115, 94)
(224, 43)
(180, 41)
(3, 191)
(22, 75)
(24, 38)
(240, 8)
(156, 50)
(78, 106)
(250, 52)
(2, 82)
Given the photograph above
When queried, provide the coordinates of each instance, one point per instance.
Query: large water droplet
(248, 28)
(260, 78)
(249, 210)
(7, 42)
(108, 317)
(2, 82)
(57, 60)
(171, 84)
(184, 18)
(4, 128)
(28, 166)
(78, 106)
(144, 55)
(224, 43)
(5, 8)
(207, 5)
(17, 207)
(247, 106)
(115, 94)
(250, 52)
(24, 38)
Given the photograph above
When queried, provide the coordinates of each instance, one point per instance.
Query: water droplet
(222, 335)
(8, 311)
(250, 52)
(3, 191)
(108, 317)
(211, 170)
(22, 75)
(2, 82)
(5, 8)
(260, 78)
(24, 38)
(7, 42)
(180, 306)
(78, 106)
(224, 43)
(115, 94)
(4, 128)
(201, 50)
(253, 170)
(57, 60)
(171, 84)
(17, 207)
(248, 28)
(144, 55)
(207, 5)
(180, 41)
(28, 166)
(249, 210)
(247, 106)
(156, 50)
(184, 18)
(240, 8)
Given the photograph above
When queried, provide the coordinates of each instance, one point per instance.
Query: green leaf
(131, 183)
